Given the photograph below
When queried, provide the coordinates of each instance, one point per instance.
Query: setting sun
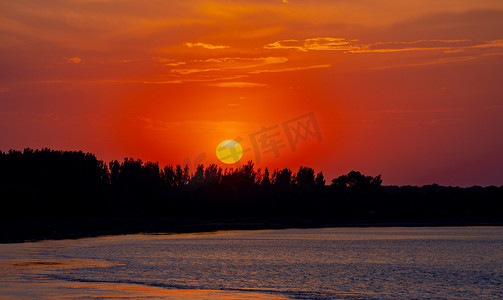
(229, 151)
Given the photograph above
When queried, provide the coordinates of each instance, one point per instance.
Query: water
(334, 263)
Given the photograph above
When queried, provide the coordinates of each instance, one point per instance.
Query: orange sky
(408, 89)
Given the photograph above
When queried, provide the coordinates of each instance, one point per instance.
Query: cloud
(447, 46)
(164, 82)
(265, 60)
(443, 60)
(490, 44)
(229, 64)
(238, 84)
(176, 64)
(430, 110)
(206, 46)
(194, 70)
(327, 43)
(355, 46)
(169, 62)
(290, 69)
(74, 60)
(253, 65)
(191, 80)
(443, 51)
(244, 59)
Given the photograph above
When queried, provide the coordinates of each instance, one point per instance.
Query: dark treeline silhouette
(63, 184)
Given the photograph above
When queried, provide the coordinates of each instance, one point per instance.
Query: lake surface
(332, 263)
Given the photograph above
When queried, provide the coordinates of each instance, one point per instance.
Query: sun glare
(229, 151)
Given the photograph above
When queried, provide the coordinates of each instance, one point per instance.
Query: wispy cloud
(176, 64)
(194, 70)
(169, 61)
(266, 60)
(490, 44)
(437, 61)
(419, 45)
(221, 68)
(327, 44)
(238, 84)
(290, 69)
(74, 60)
(192, 80)
(356, 46)
(428, 110)
(164, 82)
(206, 46)
(229, 64)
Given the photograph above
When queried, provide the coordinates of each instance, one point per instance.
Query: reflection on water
(343, 263)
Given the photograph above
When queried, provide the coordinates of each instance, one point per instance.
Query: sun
(229, 151)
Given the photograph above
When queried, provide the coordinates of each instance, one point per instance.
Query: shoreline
(32, 230)
(60, 288)
(27, 275)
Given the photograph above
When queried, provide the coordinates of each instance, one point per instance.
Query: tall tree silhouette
(320, 179)
(182, 176)
(198, 177)
(282, 177)
(305, 176)
(357, 180)
(213, 174)
(265, 181)
(168, 176)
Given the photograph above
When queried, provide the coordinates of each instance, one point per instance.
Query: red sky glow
(409, 89)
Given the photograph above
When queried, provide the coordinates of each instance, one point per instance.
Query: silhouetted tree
(357, 180)
(168, 176)
(212, 174)
(130, 173)
(151, 173)
(258, 177)
(198, 177)
(266, 181)
(305, 176)
(283, 177)
(376, 181)
(242, 176)
(182, 176)
(51, 183)
(247, 172)
(320, 179)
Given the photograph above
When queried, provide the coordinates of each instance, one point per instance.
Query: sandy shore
(25, 274)
(57, 289)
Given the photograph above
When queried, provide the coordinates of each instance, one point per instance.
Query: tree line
(49, 183)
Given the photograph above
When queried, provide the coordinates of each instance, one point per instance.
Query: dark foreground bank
(65, 194)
